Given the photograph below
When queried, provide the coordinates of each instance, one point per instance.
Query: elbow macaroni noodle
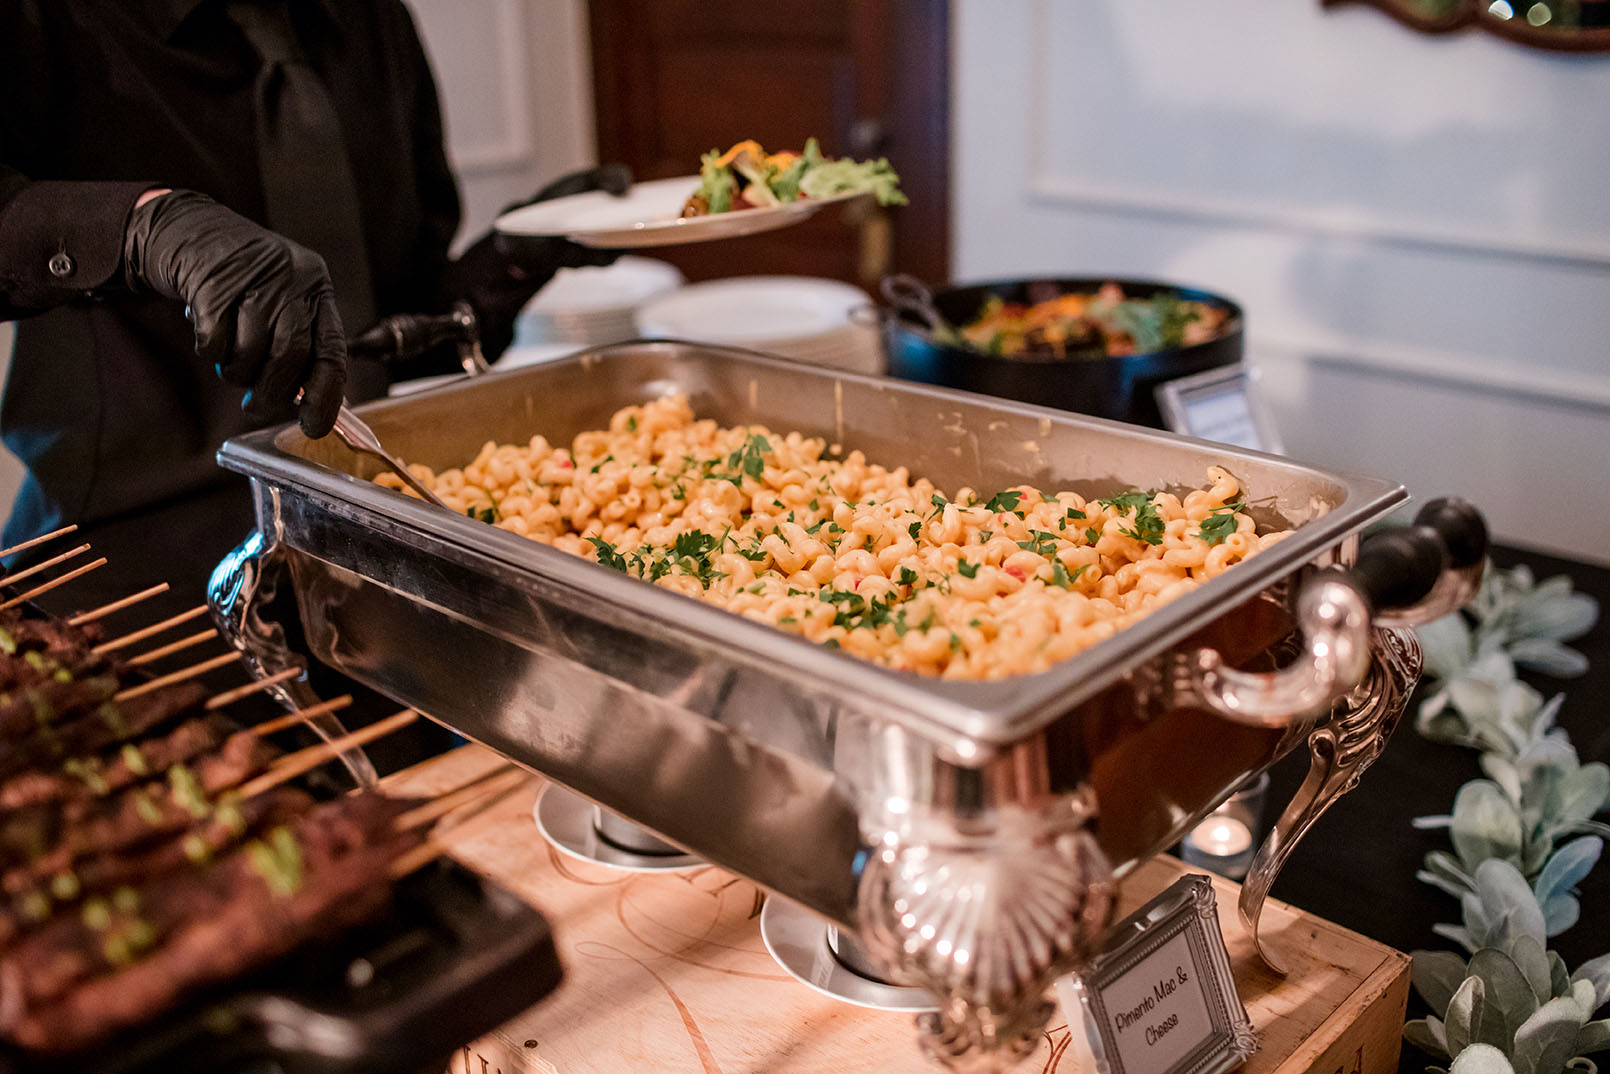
(849, 554)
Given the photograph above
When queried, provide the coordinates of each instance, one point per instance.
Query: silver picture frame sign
(1224, 404)
(1159, 998)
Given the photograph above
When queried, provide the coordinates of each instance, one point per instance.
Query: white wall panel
(516, 95)
(1406, 219)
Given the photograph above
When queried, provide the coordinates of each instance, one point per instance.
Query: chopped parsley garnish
(1221, 523)
(1062, 577)
(985, 535)
(1148, 525)
(749, 458)
(915, 530)
(1127, 501)
(966, 569)
(907, 576)
(631, 424)
(608, 556)
(1043, 543)
(1004, 501)
(1092, 535)
(939, 502)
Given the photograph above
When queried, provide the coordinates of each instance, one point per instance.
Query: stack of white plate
(823, 322)
(589, 306)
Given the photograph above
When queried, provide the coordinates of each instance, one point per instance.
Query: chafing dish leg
(985, 915)
(240, 592)
(1342, 748)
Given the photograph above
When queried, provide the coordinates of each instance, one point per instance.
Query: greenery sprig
(1523, 839)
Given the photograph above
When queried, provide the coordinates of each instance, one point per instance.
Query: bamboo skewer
(229, 697)
(117, 605)
(53, 583)
(4, 552)
(171, 648)
(178, 676)
(431, 849)
(291, 719)
(29, 572)
(294, 764)
(146, 632)
(445, 803)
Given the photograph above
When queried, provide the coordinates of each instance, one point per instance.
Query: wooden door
(676, 78)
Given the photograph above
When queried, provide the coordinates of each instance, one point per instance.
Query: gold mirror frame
(1563, 25)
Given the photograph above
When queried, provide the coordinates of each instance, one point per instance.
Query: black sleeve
(59, 240)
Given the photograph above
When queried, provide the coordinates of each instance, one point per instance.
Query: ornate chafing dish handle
(241, 588)
(1411, 574)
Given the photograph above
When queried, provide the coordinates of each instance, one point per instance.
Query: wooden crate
(667, 972)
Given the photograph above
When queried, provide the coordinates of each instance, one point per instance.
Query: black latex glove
(263, 308)
(499, 273)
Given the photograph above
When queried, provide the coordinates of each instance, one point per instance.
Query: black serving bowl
(1122, 387)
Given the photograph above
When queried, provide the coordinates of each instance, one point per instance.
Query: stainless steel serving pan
(952, 438)
(812, 772)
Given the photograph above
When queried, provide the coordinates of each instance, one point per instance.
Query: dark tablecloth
(1357, 866)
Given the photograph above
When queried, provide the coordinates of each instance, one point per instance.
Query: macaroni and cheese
(847, 553)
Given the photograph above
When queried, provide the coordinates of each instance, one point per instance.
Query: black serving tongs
(400, 336)
(909, 295)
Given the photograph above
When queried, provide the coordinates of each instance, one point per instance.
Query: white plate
(753, 310)
(604, 289)
(648, 214)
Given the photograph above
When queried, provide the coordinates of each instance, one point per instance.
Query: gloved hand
(499, 273)
(263, 307)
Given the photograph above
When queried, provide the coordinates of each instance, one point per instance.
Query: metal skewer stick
(117, 605)
(51, 536)
(146, 632)
(52, 584)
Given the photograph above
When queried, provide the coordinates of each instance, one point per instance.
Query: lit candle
(1221, 837)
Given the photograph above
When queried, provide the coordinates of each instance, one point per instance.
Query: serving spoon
(403, 336)
(355, 433)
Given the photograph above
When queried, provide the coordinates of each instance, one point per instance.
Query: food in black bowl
(1095, 345)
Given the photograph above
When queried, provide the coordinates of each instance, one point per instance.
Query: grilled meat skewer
(104, 773)
(33, 650)
(79, 718)
(43, 840)
(102, 873)
(126, 958)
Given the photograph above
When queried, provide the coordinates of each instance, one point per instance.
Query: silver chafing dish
(968, 832)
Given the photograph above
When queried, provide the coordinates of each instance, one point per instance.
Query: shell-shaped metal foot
(1341, 748)
(985, 921)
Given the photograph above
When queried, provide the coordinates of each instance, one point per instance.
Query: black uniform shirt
(106, 401)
